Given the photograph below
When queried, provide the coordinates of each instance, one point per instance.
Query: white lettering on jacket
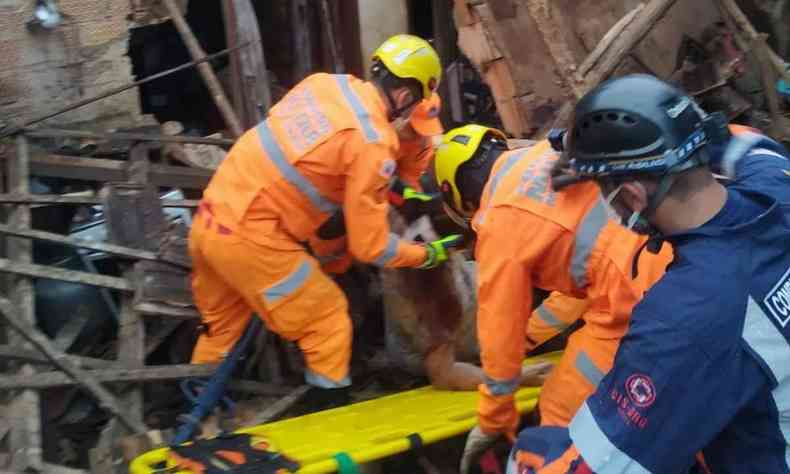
(778, 300)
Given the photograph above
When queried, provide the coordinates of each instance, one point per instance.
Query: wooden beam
(81, 201)
(121, 136)
(72, 372)
(150, 222)
(302, 41)
(111, 249)
(55, 273)
(258, 388)
(212, 83)
(281, 406)
(592, 59)
(335, 52)
(29, 355)
(25, 438)
(251, 75)
(743, 23)
(99, 169)
(149, 374)
(611, 51)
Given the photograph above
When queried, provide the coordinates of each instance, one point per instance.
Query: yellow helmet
(458, 146)
(411, 57)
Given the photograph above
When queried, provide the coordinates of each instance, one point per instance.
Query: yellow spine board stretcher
(366, 431)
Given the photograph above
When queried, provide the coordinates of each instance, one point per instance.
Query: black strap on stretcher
(231, 454)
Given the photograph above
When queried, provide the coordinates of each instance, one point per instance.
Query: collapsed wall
(46, 68)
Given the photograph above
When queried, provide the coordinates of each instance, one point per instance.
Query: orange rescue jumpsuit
(554, 315)
(414, 157)
(326, 144)
(530, 236)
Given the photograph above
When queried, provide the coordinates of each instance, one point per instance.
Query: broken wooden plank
(212, 83)
(26, 438)
(281, 406)
(612, 51)
(564, 60)
(69, 332)
(122, 136)
(55, 273)
(743, 23)
(29, 355)
(81, 201)
(149, 374)
(166, 328)
(592, 59)
(72, 372)
(258, 388)
(161, 283)
(153, 308)
(98, 169)
(111, 249)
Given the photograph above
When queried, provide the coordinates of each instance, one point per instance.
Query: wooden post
(131, 332)
(43, 344)
(335, 46)
(302, 43)
(444, 41)
(212, 83)
(24, 409)
(249, 70)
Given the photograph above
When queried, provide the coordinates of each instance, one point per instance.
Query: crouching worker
(531, 236)
(704, 365)
(331, 142)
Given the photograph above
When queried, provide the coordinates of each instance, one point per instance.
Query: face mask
(635, 222)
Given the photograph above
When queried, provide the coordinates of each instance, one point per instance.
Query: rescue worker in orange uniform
(331, 142)
(417, 142)
(529, 236)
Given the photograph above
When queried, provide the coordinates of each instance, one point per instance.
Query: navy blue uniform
(706, 362)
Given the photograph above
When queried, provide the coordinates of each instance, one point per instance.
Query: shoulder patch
(640, 390)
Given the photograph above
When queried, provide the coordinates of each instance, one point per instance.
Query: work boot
(319, 399)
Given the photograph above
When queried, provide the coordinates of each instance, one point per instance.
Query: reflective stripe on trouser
(584, 363)
(233, 277)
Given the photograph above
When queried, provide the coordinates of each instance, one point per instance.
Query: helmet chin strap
(454, 216)
(395, 111)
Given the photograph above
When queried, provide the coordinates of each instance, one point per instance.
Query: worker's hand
(438, 250)
(401, 194)
(476, 443)
(535, 374)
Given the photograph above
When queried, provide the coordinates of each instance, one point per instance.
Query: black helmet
(636, 124)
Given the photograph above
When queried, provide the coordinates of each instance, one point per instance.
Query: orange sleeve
(504, 304)
(557, 312)
(413, 160)
(368, 172)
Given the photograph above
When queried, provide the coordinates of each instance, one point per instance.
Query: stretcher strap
(345, 465)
